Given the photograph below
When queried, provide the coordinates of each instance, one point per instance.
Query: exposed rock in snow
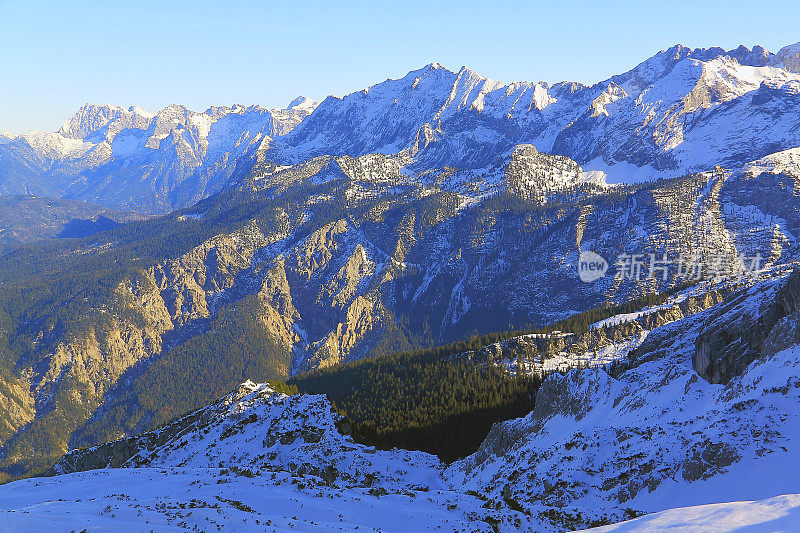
(288, 118)
(533, 175)
(258, 429)
(255, 459)
(91, 119)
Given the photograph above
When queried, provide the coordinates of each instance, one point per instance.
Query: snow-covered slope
(180, 500)
(783, 162)
(656, 435)
(254, 461)
(598, 448)
(259, 429)
(781, 513)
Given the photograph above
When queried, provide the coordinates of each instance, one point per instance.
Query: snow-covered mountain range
(340, 258)
(140, 161)
(678, 111)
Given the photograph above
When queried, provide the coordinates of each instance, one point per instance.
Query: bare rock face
(82, 366)
(737, 334)
(708, 459)
(187, 282)
(785, 334)
(16, 406)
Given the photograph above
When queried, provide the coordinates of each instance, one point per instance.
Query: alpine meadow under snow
(367, 313)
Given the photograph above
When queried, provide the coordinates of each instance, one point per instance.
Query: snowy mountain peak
(788, 58)
(92, 118)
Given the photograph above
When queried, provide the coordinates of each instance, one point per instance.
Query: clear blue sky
(55, 56)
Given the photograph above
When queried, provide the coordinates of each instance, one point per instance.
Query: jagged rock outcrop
(188, 284)
(136, 450)
(737, 334)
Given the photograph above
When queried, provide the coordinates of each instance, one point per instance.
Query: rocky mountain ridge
(650, 121)
(682, 110)
(147, 162)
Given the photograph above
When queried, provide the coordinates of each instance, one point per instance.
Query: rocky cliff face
(748, 327)
(79, 367)
(17, 404)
